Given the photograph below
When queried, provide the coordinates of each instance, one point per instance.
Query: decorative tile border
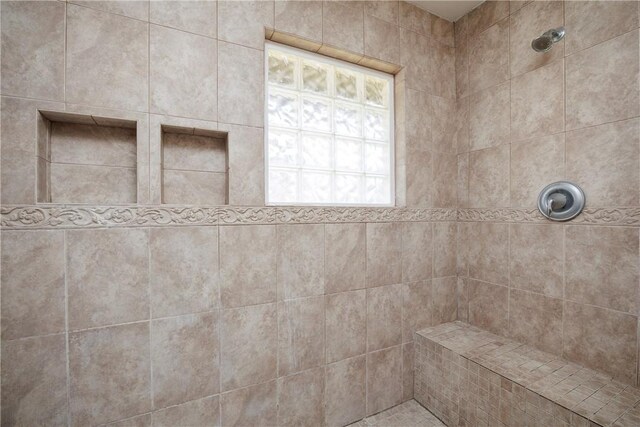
(596, 216)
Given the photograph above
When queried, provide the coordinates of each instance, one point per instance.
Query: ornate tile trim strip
(595, 216)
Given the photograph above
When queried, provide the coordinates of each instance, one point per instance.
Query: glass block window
(329, 131)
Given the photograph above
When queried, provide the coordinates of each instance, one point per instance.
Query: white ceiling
(451, 10)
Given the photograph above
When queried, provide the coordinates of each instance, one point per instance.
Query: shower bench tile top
(467, 376)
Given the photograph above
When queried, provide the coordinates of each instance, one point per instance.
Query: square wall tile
(417, 251)
(445, 174)
(462, 67)
(108, 276)
(100, 389)
(301, 329)
(444, 240)
(301, 399)
(449, 125)
(247, 265)
(197, 17)
(385, 10)
(33, 291)
(137, 9)
(419, 174)
(345, 391)
(488, 306)
(245, 152)
(489, 117)
(384, 317)
(243, 22)
(536, 320)
(248, 345)
(203, 412)
(441, 68)
(487, 14)
(384, 379)
(417, 308)
(489, 57)
(343, 26)
(384, 254)
(489, 252)
(489, 177)
(184, 358)
(34, 381)
(183, 270)
(462, 186)
(345, 257)
(250, 406)
(106, 60)
(414, 56)
(414, 18)
(418, 127)
(381, 40)
(444, 300)
(300, 260)
(346, 325)
(302, 18)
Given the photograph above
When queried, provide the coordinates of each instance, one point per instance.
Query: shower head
(546, 40)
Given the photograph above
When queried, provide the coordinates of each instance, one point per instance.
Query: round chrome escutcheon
(561, 201)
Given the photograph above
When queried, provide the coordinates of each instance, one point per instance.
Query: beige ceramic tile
(486, 15)
(18, 178)
(415, 19)
(462, 186)
(345, 257)
(417, 251)
(445, 174)
(604, 160)
(602, 266)
(536, 320)
(248, 345)
(488, 306)
(463, 230)
(300, 260)
(384, 379)
(602, 83)
(245, 151)
(193, 16)
(100, 389)
(462, 66)
(346, 325)
(447, 124)
(92, 184)
(194, 152)
(381, 40)
(108, 276)
(417, 308)
(417, 126)
(184, 358)
(384, 254)
(343, 26)
(301, 342)
(489, 177)
(34, 381)
(385, 10)
(489, 117)
(106, 60)
(537, 102)
(463, 300)
(408, 357)
(384, 317)
(414, 56)
(130, 8)
(489, 252)
(441, 70)
(203, 412)
(194, 188)
(345, 391)
(601, 339)
(143, 420)
(243, 22)
(300, 398)
(444, 253)
(536, 258)
(176, 53)
(33, 277)
(489, 57)
(302, 18)
(442, 30)
(444, 300)
(250, 406)
(419, 178)
(33, 49)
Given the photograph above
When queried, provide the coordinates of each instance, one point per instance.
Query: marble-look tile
(245, 151)
(444, 253)
(92, 184)
(129, 8)
(593, 22)
(33, 277)
(462, 186)
(414, 18)
(417, 126)
(384, 254)
(18, 178)
(184, 358)
(194, 152)
(345, 391)
(489, 57)
(419, 178)
(250, 406)
(529, 22)
(384, 379)
(202, 413)
(605, 161)
(108, 277)
(248, 345)
(346, 325)
(176, 53)
(489, 252)
(343, 26)
(462, 66)
(106, 60)
(100, 389)
(247, 265)
(417, 308)
(300, 260)
(489, 177)
(194, 16)
(183, 268)
(144, 420)
(602, 266)
(537, 102)
(442, 31)
(417, 251)
(536, 320)
(489, 117)
(448, 124)
(441, 69)
(463, 299)
(602, 83)
(381, 40)
(535, 163)
(414, 56)
(301, 398)
(463, 231)
(536, 258)
(384, 317)
(302, 18)
(34, 381)
(243, 22)
(444, 181)
(385, 10)
(408, 358)
(181, 187)
(345, 257)
(444, 300)
(301, 330)
(488, 306)
(33, 42)
(601, 339)
(487, 14)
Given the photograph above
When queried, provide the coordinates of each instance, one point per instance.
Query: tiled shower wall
(105, 318)
(533, 119)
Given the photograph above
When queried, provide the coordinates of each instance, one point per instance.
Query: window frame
(314, 56)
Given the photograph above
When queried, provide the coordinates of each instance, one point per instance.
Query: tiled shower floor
(408, 414)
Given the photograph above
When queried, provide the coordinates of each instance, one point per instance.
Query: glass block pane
(376, 125)
(348, 188)
(376, 91)
(316, 150)
(283, 109)
(283, 185)
(377, 190)
(315, 77)
(315, 187)
(349, 155)
(346, 84)
(376, 158)
(348, 120)
(282, 69)
(283, 148)
(316, 114)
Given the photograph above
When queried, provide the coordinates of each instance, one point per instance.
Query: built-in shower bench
(469, 377)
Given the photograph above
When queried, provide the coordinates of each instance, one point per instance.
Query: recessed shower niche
(86, 159)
